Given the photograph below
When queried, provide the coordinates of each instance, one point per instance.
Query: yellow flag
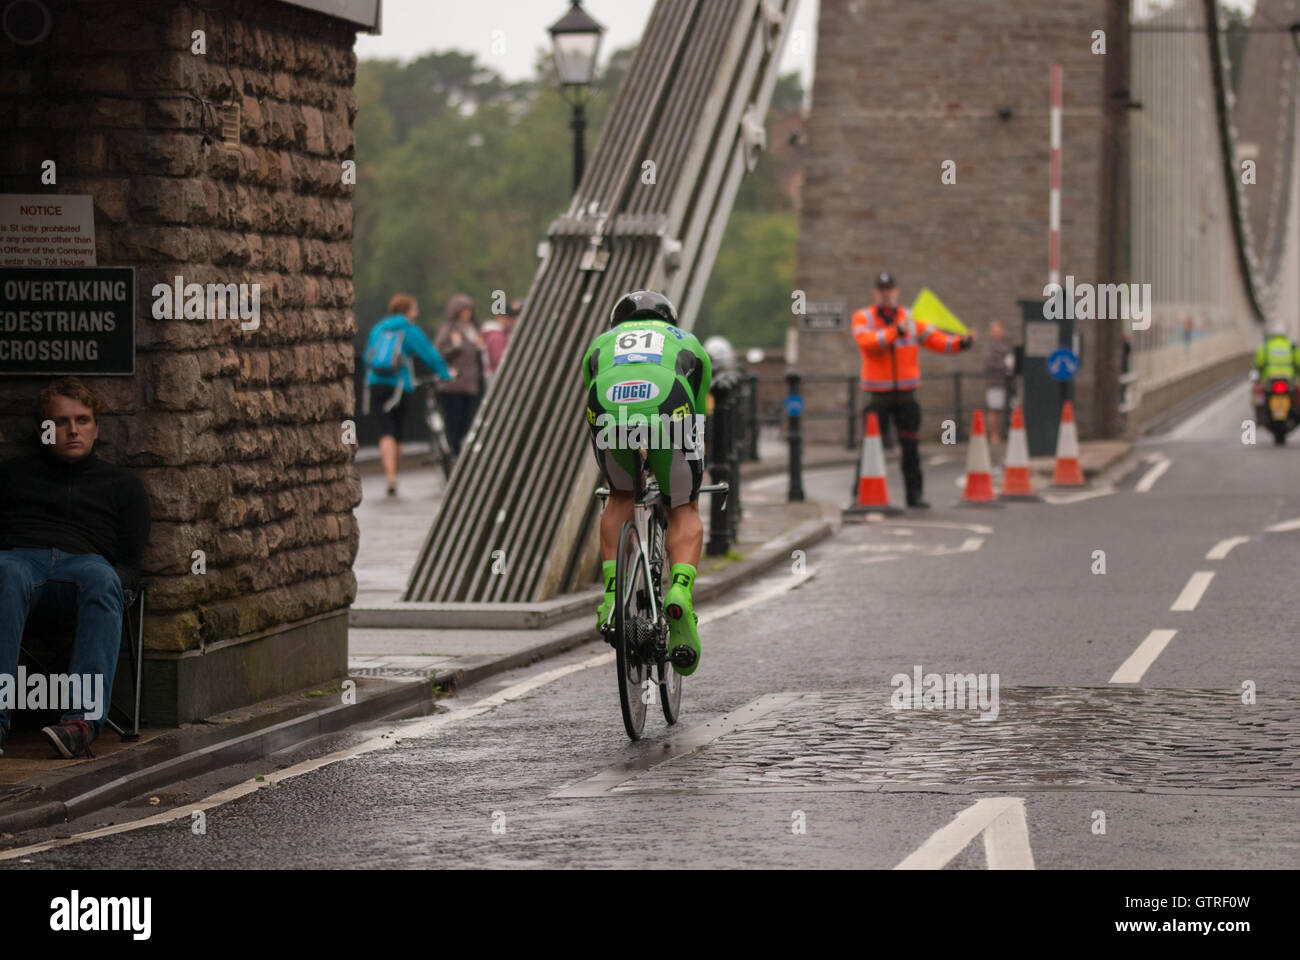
(930, 309)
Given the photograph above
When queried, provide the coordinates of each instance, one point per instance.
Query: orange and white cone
(1068, 473)
(873, 491)
(979, 468)
(1016, 483)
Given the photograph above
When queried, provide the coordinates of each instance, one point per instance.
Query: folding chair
(133, 640)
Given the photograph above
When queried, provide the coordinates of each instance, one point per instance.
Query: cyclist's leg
(685, 537)
(678, 466)
(616, 472)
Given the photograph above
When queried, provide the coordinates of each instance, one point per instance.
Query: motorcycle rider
(1277, 357)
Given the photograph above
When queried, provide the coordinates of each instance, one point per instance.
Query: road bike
(637, 627)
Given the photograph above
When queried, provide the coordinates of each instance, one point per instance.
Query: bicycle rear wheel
(670, 681)
(632, 625)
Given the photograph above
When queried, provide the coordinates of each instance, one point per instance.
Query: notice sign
(1041, 338)
(47, 230)
(67, 321)
(827, 316)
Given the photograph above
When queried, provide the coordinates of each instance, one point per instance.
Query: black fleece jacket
(90, 506)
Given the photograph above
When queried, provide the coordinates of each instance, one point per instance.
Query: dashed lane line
(1221, 549)
(1135, 667)
(1193, 591)
(1284, 526)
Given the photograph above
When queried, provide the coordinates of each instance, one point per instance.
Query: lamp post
(576, 38)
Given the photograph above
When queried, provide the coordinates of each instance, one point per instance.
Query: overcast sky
(482, 27)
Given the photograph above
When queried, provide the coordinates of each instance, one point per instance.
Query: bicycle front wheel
(631, 626)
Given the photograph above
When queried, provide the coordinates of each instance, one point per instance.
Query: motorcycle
(1277, 405)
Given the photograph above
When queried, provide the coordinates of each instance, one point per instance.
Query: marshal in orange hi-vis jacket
(890, 352)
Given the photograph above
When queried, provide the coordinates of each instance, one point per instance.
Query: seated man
(74, 527)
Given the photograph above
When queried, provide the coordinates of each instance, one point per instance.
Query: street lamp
(576, 38)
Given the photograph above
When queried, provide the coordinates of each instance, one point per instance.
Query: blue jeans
(84, 582)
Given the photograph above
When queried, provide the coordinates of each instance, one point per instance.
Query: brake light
(1279, 386)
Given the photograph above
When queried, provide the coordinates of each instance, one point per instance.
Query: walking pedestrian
(461, 342)
(393, 341)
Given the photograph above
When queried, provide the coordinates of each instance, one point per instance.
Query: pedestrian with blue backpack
(393, 344)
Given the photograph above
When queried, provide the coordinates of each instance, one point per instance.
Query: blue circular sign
(793, 405)
(1063, 364)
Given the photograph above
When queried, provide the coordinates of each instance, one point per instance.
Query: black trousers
(458, 411)
(901, 408)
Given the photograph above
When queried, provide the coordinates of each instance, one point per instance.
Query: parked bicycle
(637, 627)
(439, 448)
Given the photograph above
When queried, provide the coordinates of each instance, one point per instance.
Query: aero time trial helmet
(642, 305)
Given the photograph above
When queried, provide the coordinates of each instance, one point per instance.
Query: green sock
(607, 568)
(682, 575)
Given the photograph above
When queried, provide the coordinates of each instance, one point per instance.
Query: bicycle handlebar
(707, 488)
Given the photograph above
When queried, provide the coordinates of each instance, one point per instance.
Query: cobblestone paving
(1045, 737)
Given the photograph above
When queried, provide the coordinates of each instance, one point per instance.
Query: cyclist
(649, 375)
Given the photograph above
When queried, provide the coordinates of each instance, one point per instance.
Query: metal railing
(966, 389)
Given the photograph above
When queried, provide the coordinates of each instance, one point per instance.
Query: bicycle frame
(648, 496)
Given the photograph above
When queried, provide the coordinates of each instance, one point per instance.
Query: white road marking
(1284, 526)
(1194, 423)
(1058, 499)
(404, 730)
(937, 460)
(969, 545)
(794, 580)
(1006, 837)
(1224, 547)
(1132, 669)
(1161, 464)
(941, 525)
(882, 551)
(1192, 593)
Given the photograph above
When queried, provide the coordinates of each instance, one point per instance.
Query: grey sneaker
(71, 738)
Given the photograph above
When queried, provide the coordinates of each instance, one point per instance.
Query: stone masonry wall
(899, 89)
(236, 434)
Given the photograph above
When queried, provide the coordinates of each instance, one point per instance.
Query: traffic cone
(1067, 472)
(873, 491)
(1016, 484)
(979, 469)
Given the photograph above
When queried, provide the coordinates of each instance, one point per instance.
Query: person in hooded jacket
(461, 344)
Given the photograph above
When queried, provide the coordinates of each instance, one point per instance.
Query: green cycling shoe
(683, 629)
